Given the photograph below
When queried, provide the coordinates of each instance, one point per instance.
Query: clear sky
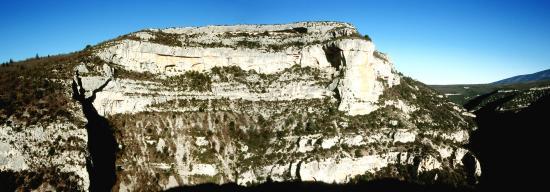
(437, 42)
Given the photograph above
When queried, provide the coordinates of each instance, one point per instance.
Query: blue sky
(436, 42)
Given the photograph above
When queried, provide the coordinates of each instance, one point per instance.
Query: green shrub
(358, 153)
(27, 88)
(192, 81)
(293, 30)
(232, 126)
(366, 37)
(169, 39)
(248, 44)
(51, 151)
(311, 126)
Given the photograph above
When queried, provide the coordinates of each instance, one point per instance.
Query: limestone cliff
(309, 101)
(334, 49)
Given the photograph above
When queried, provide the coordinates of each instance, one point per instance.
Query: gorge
(247, 105)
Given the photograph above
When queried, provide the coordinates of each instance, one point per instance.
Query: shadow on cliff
(511, 145)
(380, 185)
(102, 144)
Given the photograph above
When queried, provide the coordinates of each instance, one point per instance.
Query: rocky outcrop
(360, 75)
(208, 135)
(246, 104)
(44, 154)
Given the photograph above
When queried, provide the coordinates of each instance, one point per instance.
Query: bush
(248, 44)
(192, 81)
(366, 37)
(261, 121)
(232, 126)
(293, 30)
(120, 72)
(311, 127)
(167, 39)
(279, 47)
(358, 153)
(51, 151)
(223, 72)
(26, 88)
(300, 29)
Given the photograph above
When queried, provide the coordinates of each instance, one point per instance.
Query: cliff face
(310, 101)
(333, 49)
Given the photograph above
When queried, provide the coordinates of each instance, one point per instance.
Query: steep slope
(538, 76)
(516, 99)
(462, 94)
(308, 101)
(511, 117)
(42, 134)
(511, 124)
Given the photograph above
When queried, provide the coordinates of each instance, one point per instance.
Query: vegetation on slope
(169, 39)
(36, 89)
(191, 81)
(433, 112)
(35, 94)
(461, 94)
(250, 40)
(32, 180)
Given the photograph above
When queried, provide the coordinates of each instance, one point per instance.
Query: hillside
(511, 125)
(538, 76)
(244, 104)
(509, 117)
(461, 94)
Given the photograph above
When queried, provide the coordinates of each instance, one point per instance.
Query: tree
(311, 127)
(37, 57)
(368, 38)
(231, 126)
(261, 120)
(11, 61)
(358, 153)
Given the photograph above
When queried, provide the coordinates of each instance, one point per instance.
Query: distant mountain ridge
(538, 76)
(462, 93)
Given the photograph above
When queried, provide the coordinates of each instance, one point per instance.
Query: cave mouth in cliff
(102, 144)
(334, 56)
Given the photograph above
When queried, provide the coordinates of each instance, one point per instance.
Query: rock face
(309, 101)
(46, 153)
(361, 74)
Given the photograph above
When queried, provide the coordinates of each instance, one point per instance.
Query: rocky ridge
(309, 101)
